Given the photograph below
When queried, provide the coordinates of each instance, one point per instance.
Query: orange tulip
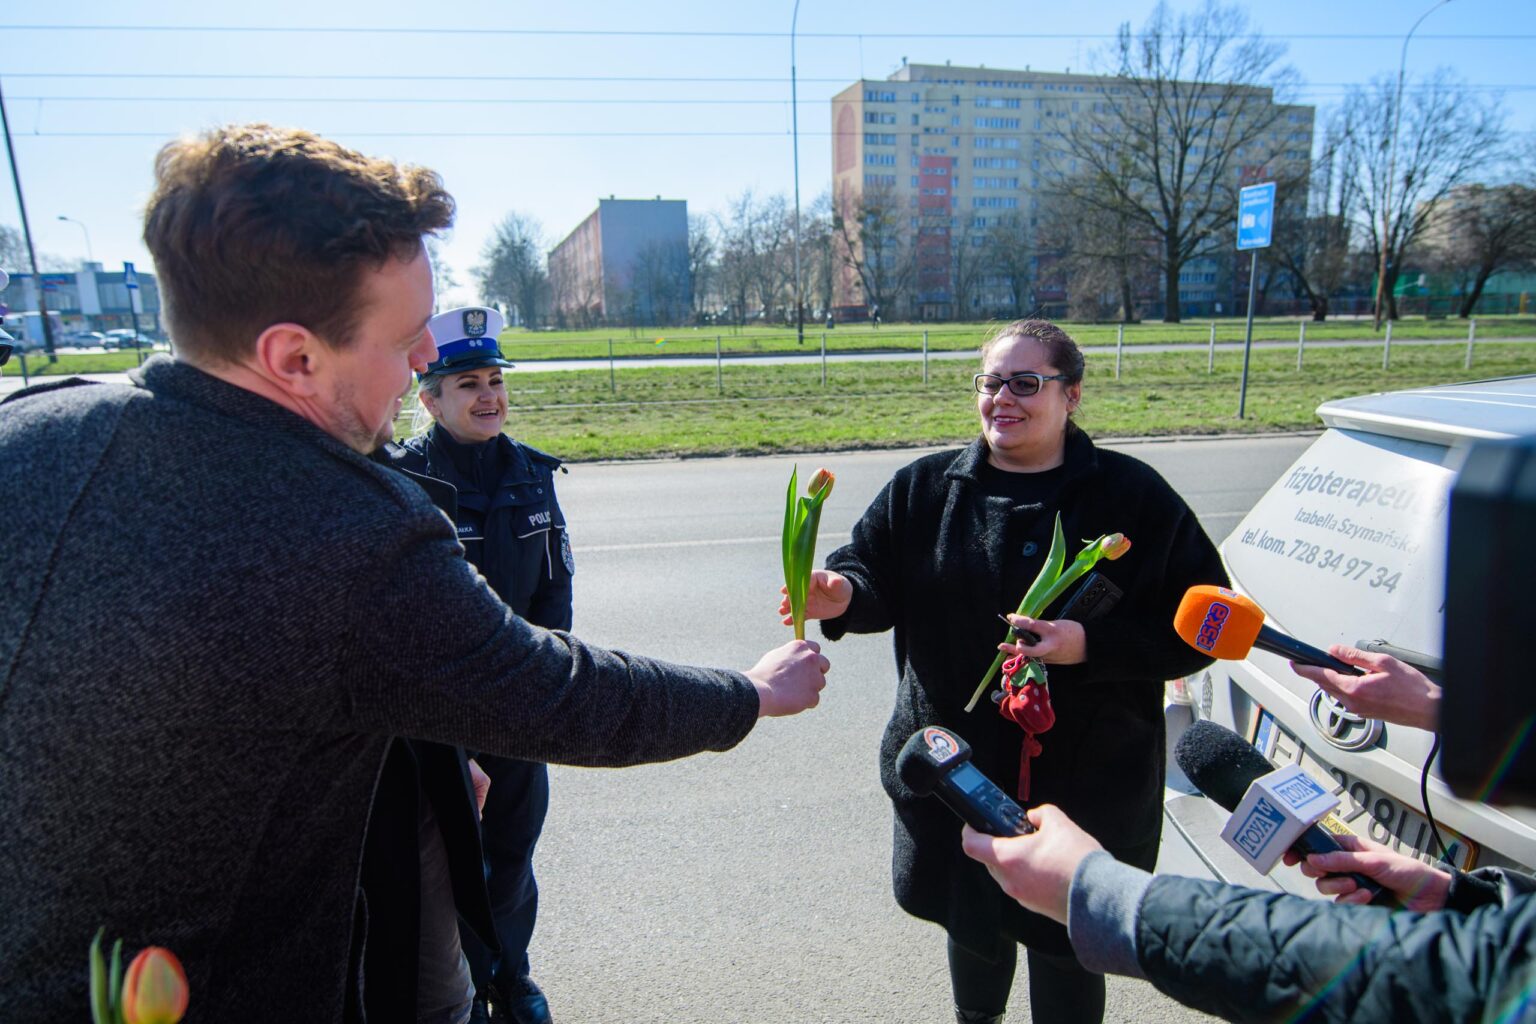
(155, 988)
(1114, 545)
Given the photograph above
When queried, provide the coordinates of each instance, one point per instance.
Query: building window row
(876, 96)
(999, 163)
(880, 159)
(996, 182)
(997, 122)
(879, 179)
(994, 142)
(994, 202)
(871, 117)
(998, 102)
(877, 139)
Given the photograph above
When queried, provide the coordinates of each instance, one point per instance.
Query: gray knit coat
(213, 617)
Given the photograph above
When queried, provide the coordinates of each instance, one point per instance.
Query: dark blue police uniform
(514, 533)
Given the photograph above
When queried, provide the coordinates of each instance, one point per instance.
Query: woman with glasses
(953, 541)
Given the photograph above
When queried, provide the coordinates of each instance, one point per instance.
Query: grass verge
(664, 412)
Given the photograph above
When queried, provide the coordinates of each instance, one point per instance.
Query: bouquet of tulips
(1053, 581)
(154, 991)
(802, 515)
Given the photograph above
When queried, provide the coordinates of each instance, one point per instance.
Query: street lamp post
(1386, 204)
(794, 121)
(89, 253)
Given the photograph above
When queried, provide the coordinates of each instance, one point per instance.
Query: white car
(1348, 546)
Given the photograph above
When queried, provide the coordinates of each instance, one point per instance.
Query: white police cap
(466, 339)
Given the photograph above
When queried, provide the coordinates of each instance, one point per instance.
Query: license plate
(1363, 807)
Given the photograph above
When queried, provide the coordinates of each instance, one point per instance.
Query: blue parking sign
(1256, 216)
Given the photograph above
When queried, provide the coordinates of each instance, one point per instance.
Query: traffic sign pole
(1255, 229)
(1253, 278)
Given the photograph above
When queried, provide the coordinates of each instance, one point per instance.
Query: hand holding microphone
(1226, 625)
(1225, 767)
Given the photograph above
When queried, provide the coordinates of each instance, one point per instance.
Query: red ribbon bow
(1028, 705)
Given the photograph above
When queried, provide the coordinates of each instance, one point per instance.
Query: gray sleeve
(1101, 916)
(440, 657)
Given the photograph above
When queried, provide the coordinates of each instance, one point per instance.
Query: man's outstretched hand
(789, 679)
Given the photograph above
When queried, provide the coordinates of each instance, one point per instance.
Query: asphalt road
(753, 886)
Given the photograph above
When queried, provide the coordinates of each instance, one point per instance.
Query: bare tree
(969, 264)
(1010, 252)
(1447, 131)
(1103, 246)
(702, 265)
(1480, 230)
(1313, 223)
(443, 278)
(513, 273)
(875, 240)
(13, 250)
(1190, 114)
(660, 279)
(818, 254)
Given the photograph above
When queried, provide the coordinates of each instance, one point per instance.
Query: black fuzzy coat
(936, 559)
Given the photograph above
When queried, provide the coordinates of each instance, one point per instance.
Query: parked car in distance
(125, 338)
(1349, 546)
(86, 339)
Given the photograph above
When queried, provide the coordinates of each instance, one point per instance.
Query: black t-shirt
(1030, 536)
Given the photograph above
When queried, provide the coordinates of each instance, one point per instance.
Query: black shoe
(977, 1017)
(525, 1003)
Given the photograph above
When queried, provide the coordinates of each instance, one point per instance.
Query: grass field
(688, 341)
(626, 343)
(662, 412)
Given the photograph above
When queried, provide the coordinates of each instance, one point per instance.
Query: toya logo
(1299, 792)
(1210, 629)
(1262, 823)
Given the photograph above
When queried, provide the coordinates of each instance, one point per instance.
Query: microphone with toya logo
(1273, 809)
(1226, 625)
(936, 761)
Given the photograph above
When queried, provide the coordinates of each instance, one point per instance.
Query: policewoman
(514, 533)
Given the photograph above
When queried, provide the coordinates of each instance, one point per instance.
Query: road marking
(659, 545)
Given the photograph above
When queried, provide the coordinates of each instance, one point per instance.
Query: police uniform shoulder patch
(565, 552)
(474, 323)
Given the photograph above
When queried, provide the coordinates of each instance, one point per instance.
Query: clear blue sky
(554, 160)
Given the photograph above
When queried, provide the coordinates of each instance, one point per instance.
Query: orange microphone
(1226, 625)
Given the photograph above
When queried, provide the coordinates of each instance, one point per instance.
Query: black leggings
(1060, 989)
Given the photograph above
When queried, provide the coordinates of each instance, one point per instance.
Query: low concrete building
(625, 263)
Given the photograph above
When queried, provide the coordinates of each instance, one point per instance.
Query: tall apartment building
(964, 149)
(625, 263)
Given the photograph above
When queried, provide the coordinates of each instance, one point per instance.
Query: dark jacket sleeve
(870, 563)
(1484, 887)
(434, 654)
(1248, 955)
(551, 604)
(1137, 640)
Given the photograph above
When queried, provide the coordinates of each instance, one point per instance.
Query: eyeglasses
(1021, 384)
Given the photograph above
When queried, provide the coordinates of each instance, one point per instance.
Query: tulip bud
(822, 480)
(155, 988)
(1114, 545)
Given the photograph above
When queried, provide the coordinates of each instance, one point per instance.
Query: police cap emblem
(474, 323)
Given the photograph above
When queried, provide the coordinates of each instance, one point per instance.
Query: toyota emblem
(1341, 727)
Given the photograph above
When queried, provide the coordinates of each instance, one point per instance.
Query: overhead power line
(1320, 90)
(715, 34)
